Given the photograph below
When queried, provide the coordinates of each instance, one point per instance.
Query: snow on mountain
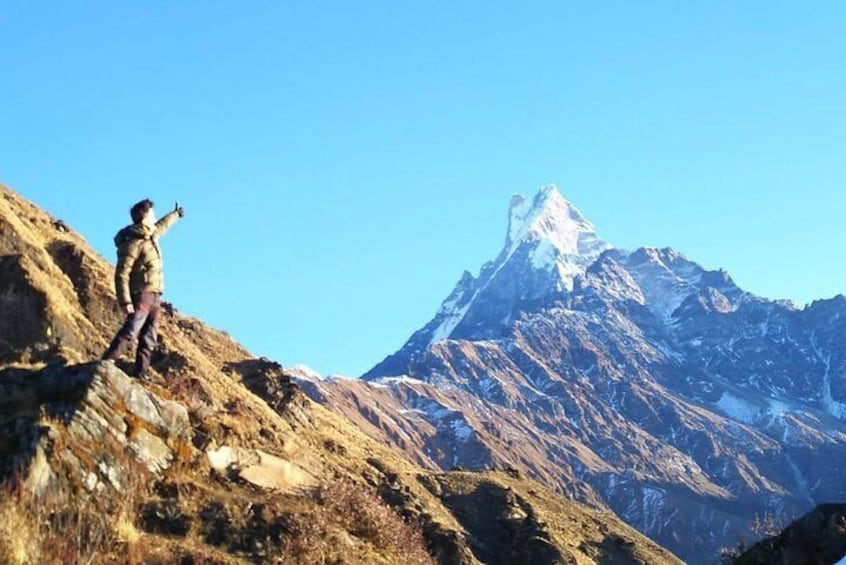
(550, 219)
(454, 308)
(305, 372)
(667, 279)
(546, 234)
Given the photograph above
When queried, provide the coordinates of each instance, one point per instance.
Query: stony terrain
(223, 459)
(635, 381)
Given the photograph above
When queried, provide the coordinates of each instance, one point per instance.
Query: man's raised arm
(168, 220)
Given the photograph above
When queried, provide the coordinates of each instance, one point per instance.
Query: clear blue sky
(342, 163)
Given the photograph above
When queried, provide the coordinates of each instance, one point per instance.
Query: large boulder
(89, 426)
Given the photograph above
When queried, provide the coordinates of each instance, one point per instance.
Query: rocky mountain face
(223, 459)
(636, 381)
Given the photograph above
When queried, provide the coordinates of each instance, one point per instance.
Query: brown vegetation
(94, 528)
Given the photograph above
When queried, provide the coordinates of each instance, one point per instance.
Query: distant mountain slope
(224, 460)
(632, 380)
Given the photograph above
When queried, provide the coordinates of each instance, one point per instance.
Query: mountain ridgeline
(635, 381)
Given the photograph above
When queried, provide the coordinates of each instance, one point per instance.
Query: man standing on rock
(139, 283)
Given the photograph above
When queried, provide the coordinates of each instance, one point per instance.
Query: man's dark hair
(140, 209)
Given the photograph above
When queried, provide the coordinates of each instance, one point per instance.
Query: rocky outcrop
(88, 426)
(270, 382)
(259, 468)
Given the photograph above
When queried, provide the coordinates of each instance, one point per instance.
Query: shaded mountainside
(817, 537)
(642, 383)
(223, 459)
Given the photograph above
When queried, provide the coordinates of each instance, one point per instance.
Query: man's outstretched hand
(179, 210)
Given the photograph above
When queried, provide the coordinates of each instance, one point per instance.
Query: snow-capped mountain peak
(551, 218)
(549, 243)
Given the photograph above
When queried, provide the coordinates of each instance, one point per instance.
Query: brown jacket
(139, 266)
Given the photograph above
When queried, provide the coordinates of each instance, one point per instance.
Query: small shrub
(353, 509)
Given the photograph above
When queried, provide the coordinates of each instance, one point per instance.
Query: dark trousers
(142, 324)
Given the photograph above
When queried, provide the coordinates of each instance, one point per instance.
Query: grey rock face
(86, 425)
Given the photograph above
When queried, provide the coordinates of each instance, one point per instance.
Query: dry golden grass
(70, 525)
(125, 530)
(19, 544)
(36, 531)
